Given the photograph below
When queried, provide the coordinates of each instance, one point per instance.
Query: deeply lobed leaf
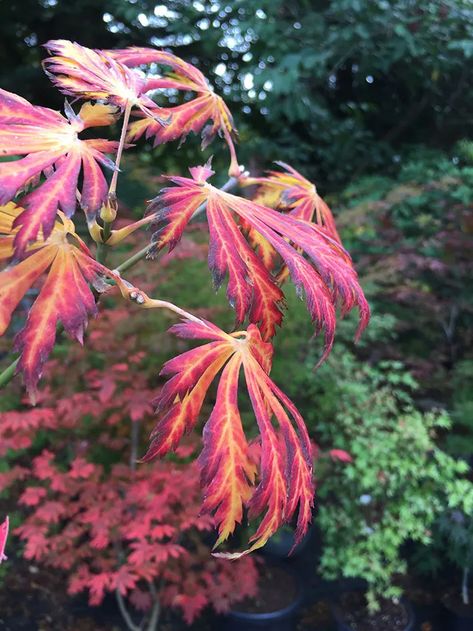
(228, 471)
(65, 295)
(95, 74)
(49, 141)
(326, 277)
(191, 116)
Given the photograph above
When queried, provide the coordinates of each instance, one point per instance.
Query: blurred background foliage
(373, 102)
(338, 88)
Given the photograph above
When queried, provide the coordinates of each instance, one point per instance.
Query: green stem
(111, 203)
(141, 254)
(7, 375)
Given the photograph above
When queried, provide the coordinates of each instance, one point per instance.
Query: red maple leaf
(98, 585)
(193, 115)
(50, 143)
(228, 473)
(3, 538)
(32, 495)
(327, 278)
(64, 297)
(191, 605)
(341, 455)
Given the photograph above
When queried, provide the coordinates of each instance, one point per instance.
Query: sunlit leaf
(65, 296)
(207, 112)
(49, 141)
(95, 74)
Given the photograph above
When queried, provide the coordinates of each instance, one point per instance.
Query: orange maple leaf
(227, 469)
(65, 295)
(290, 192)
(192, 115)
(49, 141)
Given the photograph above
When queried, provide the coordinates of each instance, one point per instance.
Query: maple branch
(7, 375)
(125, 613)
(141, 254)
(156, 611)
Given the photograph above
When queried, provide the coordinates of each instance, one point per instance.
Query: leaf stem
(134, 259)
(109, 210)
(7, 375)
(112, 191)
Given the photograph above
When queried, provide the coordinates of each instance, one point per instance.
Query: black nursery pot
(344, 625)
(283, 619)
(459, 620)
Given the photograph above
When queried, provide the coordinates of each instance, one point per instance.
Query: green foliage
(399, 480)
(372, 78)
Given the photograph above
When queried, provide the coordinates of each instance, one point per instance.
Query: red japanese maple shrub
(89, 511)
(287, 230)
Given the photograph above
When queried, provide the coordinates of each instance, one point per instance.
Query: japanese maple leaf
(191, 605)
(290, 192)
(327, 278)
(95, 74)
(65, 295)
(49, 143)
(3, 538)
(207, 112)
(227, 471)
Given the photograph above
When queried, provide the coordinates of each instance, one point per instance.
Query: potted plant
(396, 485)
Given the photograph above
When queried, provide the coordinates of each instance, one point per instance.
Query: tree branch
(125, 613)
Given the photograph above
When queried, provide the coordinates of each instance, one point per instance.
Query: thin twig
(112, 191)
(465, 596)
(156, 611)
(125, 613)
(111, 203)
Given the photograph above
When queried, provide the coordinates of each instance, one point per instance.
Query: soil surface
(276, 590)
(35, 599)
(317, 617)
(453, 601)
(353, 611)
